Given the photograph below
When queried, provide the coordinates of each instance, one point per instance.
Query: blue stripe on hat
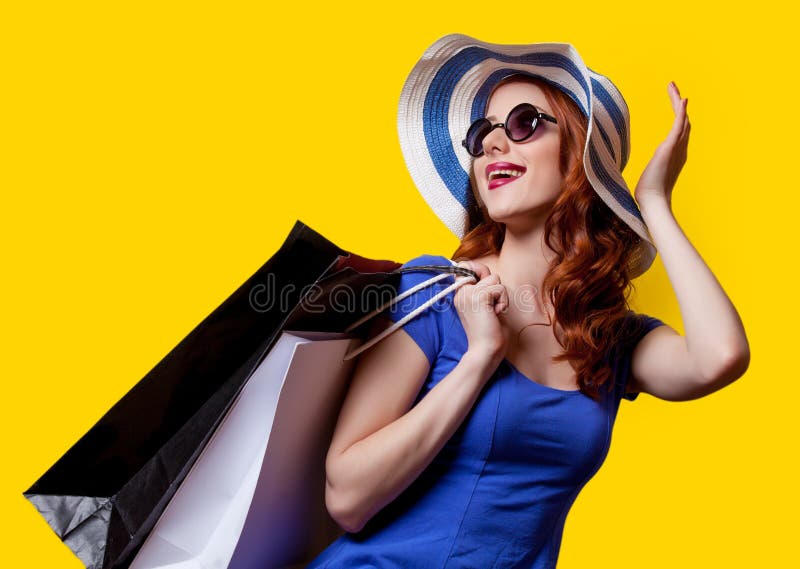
(606, 140)
(616, 117)
(437, 105)
(620, 194)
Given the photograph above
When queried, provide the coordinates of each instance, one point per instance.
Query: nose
(496, 141)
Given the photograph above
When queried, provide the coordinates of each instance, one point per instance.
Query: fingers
(674, 95)
(484, 296)
(500, 296)
(481, 269)
(680, 126)
(493, 293)
(686, 125)
(490, 288)
(678, 104)
(489, 280)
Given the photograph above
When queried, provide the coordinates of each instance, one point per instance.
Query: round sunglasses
(520, 125)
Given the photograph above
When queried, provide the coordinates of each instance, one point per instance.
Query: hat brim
(449, 88)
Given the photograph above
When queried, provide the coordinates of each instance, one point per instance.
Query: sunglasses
(520, 125)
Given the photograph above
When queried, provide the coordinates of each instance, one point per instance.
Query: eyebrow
(492, 118)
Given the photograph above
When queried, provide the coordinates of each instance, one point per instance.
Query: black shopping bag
(103, 497)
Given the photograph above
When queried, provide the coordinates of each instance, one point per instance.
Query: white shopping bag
(203, 522)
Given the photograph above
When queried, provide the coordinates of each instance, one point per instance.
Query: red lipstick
(505, 173)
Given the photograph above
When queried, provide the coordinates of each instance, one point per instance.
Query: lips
(502, 173)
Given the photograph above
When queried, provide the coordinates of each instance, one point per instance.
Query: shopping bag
(105, 494)
(255, 497)
(291, 402)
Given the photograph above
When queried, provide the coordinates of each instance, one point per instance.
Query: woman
(465, 437)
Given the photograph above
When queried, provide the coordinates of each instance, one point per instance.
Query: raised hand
(661, 173)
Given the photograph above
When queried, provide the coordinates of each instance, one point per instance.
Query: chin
(511, 214)
(498, 216)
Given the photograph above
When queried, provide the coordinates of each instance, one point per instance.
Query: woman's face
(520, 200)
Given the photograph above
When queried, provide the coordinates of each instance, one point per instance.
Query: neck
(522, 263)
(524, 257)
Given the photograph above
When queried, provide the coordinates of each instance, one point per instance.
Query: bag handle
(467, 276)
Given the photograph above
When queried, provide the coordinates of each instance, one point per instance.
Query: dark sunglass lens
(475, 135)
(522, 122)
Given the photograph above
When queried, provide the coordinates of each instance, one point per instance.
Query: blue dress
(498, 493)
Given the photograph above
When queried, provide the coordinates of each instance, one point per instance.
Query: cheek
(478, 181)
(549, 161)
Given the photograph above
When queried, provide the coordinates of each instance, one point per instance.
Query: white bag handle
(400, 323)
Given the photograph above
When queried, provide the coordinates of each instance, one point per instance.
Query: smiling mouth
(499, 178)
(503, 174)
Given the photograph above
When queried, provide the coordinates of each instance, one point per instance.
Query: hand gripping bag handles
(255, 497)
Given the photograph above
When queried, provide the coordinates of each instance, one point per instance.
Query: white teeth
(495, 173)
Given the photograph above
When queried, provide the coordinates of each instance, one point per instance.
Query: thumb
(480, 269)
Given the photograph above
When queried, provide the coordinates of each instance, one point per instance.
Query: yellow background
(154, 155)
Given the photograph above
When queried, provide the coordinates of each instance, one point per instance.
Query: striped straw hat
(449, 88)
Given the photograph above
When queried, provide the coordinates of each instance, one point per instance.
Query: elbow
(344, 504)
(731, 365)
(342, 510)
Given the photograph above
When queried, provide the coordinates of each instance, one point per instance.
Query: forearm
(713, 330)
(375, 470)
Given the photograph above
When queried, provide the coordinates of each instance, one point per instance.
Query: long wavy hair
(588, 282)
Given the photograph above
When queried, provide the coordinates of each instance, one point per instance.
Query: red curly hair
(588, 282)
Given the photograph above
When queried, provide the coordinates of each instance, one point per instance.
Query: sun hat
(449, 88)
